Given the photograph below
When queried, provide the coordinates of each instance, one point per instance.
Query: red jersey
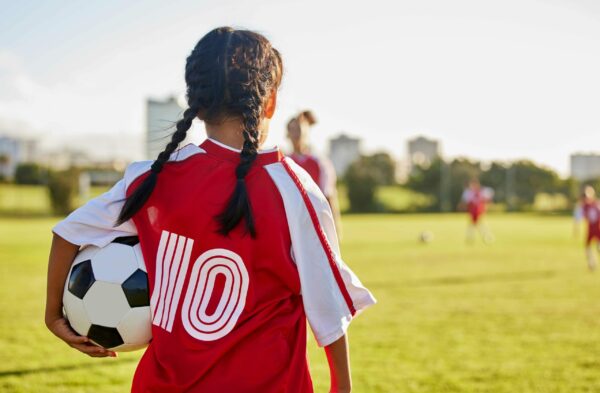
(476, 200)
(319, 169)
(590, 211)
(229, 312)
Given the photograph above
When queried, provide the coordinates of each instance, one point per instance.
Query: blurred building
(585, 166)
(14, 151)
(160, 119)
(343, 151)
(423, 151)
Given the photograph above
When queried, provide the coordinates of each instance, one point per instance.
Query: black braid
(138, 198)
(239, 205)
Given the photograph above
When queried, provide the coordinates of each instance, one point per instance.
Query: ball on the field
(426, 237)
(106, 296)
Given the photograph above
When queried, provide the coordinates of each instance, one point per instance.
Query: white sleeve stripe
(324, 243)
(316, 254)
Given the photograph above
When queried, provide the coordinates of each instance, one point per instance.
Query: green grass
(32, 201)
(392, 198)
(518, 316)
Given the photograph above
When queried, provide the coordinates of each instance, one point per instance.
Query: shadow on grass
(66, 367)
(484, 278)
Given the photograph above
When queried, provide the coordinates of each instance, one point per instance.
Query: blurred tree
(29, 173)
(444, 181)
(361, 183)
(496, 177)
(383, 167)
(62, 189)
(530, 179)
(427, 180)
(515, 184)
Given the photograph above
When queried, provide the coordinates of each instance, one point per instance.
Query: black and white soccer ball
(106, 296)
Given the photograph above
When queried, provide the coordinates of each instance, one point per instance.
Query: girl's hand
(61, 329)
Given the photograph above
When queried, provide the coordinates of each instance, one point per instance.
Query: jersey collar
(220, 150)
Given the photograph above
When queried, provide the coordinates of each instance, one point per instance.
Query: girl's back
(253, 327)
(240, 245)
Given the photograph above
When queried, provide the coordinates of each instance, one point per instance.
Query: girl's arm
(339, 365)
(62, 254)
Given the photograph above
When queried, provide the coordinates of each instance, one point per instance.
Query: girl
(239, 242)
(588, 208)
(321, 170)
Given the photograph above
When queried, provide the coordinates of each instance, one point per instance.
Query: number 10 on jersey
(172, 263)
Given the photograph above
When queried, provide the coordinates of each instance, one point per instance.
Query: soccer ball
(106, 296)
(425, 237)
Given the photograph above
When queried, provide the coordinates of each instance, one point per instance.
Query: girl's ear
(271, 104)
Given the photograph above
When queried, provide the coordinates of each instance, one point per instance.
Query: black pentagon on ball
(127, 240)
(107, 337)
(136, 289)
(81, 278)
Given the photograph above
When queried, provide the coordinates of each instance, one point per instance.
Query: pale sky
(491, 79)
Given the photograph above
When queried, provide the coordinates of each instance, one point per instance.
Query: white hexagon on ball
(105, 303)
(135, 329)
(105, 268)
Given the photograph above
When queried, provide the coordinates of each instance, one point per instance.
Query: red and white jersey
(477, 198)
(320, 169)
(590, 211)
(229, 312)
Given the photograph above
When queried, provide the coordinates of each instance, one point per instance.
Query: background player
(227, 227)
(319, 168)
(474, 200)
(588, 208)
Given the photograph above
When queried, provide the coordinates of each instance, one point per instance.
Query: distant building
(585, 166)
(64, 159)
(423, 151)
(160, 119)
(14, 151)
(343, 151)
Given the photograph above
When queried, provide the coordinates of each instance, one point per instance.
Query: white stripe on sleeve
(329, 302)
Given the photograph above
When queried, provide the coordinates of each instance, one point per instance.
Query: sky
(491, 79)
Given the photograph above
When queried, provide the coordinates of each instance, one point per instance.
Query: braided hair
(229, 74)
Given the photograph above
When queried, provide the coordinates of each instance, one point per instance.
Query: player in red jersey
(240, 243)
(474, 200)
(319, 168)
(589, 209)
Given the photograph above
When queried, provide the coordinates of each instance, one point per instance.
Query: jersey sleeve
(331, 293)
(94, 222)
(466, 196)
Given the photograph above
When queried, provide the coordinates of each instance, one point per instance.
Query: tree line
(517, 184)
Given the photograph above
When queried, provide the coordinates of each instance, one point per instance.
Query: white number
(207, 267)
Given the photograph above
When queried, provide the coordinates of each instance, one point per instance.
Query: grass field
(32, 201)
(521, 315)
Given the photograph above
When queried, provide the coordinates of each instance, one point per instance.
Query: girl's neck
(300, 149)
(227, 132)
